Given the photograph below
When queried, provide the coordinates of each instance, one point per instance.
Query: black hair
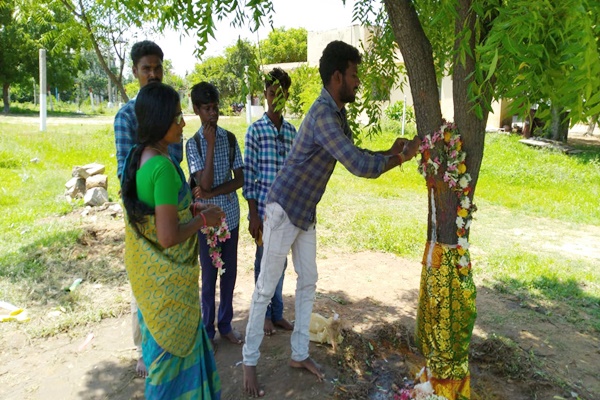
(336, 57)
(204, 93)
(278, 76)
(145, 48)
(155, 108)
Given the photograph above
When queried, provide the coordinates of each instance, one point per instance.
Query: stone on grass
(94, 168)
(80, 172)
(99, 180)
(76, 189)
(95, 197)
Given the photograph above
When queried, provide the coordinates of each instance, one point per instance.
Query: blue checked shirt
(126, 126)
(323, 138)
(265, 151)
(228, 202)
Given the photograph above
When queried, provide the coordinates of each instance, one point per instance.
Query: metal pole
(43, 111)
(248, 101)
(403, 115)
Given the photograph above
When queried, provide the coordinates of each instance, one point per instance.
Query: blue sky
(313, 15)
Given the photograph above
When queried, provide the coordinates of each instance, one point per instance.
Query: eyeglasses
(179, 118)
(281, 150)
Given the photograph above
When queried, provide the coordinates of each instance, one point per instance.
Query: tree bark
(418, 60)
(559, 125)
(471, 127)
(6, 97)
(592, 125)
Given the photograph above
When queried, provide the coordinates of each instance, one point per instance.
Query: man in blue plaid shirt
(290, 215)
(211, 168)
(147, 60)
(268, 142)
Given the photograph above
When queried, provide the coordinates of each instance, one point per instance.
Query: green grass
(520, 189)
(540, 182)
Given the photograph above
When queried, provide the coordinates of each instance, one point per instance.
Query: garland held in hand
(452, 162)
(214, 235)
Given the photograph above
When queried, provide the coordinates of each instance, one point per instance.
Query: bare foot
(251, 382)
(234, 337)
(310, 365)
(140, 368)
(269, 328)
(284, 324)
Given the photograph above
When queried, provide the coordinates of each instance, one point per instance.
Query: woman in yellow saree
(161, 254)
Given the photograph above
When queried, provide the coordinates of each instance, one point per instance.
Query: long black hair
(155, 109)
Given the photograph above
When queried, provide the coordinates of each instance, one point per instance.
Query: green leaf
(492, 66)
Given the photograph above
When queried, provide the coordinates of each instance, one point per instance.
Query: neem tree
(528, 51)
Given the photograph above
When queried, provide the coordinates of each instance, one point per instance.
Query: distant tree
(282, 46)
(26, 27)
(172, 79)
(238, 56)
(214, 70)
(306, 87)
(105, 23)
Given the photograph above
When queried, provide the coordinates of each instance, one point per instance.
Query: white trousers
(279, 236)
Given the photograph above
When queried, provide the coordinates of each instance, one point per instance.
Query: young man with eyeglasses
(147, 58)
(211, 168)
(268, 141)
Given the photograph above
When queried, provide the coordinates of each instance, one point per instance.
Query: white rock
(94, 168)
(95, 196)
(80, 172)
(99, 180)
(77, 190)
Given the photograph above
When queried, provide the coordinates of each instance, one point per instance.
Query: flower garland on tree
(451, 160)
(214, 235)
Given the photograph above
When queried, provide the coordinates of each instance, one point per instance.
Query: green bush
(306, 87)
(396, 110)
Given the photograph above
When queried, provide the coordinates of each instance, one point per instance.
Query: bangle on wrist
(401, 158)
(203, 218)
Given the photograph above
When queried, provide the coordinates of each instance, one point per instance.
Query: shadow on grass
(564, 298)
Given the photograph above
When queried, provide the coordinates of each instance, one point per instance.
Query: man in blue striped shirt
(290, 215)
(268, 142)
(147, 58)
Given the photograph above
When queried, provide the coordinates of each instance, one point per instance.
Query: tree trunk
(559, 125)
(592, 125)
(470, 126)
(418, 60)
(6, 97)
(444, 326)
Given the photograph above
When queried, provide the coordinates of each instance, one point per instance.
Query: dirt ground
(376, 296)
(520, 350)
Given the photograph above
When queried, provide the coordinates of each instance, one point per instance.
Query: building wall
(356, 35)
